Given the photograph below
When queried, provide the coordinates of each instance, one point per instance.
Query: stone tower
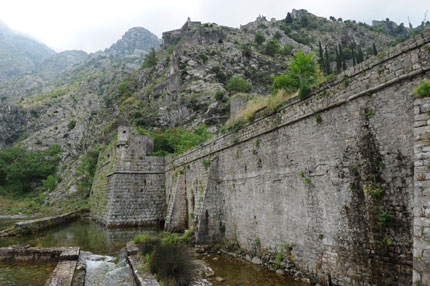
(128, 188)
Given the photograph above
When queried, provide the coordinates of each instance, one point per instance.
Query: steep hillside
(51, 96)
(60, 62)
(19, 54)
(135, 43)
(184, 83)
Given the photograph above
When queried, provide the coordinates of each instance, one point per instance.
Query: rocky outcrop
(54, 65)
(135, 43)
(12, 122)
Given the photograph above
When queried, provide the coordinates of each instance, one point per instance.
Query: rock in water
(122, 276)
(96, 272)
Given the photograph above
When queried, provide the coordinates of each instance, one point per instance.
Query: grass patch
(423, 89)
(271, 103)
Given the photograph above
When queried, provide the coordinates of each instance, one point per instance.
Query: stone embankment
(66, 257)
(31, 226)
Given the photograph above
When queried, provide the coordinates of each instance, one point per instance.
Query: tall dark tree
(289, 18)
(327, 62)
(375, 52)
(342, 57)
(354, 61)
(338, 61)
(360, 55)
(321, 60)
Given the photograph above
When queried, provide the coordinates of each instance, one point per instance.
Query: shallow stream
(95, 238)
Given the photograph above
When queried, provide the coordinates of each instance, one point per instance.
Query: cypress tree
(321, 60)
(354, 62)
(375, 52)
(338, 64)
(341, 57)
(288, 19)
(360, 55)
(327, 62)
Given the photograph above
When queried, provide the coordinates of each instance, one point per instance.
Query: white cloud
(95, 24)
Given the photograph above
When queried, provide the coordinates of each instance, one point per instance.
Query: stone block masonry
(421, 212)
(339, 177)
(128, 188)
(339, 190)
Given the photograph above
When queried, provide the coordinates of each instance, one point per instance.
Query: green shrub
(423, 89)
(87, 167)
(176, 140)
(137, 239)
(71, 125)
(238, 84)
(173, 264)
(246, 51)
(204, 57)
(50, 183)
(259, 38)
(219, 74)
(385, 219)
(125, 88)
(146, 243)
(206, 163)
(288, 48)
(219, 95)
(150, 59)
(272, 48)
(21, 169)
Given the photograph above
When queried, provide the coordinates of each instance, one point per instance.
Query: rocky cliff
(19, 54)
(175, 85)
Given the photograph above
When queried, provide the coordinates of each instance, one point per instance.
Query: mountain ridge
(183, 83)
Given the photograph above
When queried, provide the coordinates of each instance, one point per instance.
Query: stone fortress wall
(341, 177)
(128, 188)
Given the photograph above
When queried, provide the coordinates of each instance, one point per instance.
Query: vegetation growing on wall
(87, 168)
(175, 140)
(423, 89)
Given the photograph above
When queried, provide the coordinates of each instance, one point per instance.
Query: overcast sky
(93, 25)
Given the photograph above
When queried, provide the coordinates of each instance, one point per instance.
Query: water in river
(85, 233)
(9, 221)
(97, 239)
(238, 272)
(24, 274)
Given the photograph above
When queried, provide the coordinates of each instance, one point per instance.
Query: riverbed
(93, 237)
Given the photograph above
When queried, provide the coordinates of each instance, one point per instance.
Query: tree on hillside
(21, 169)
(321, 60)
(302, 73)
(375, 52)
(327, 62)
(288, 19)
(338, 60)
(259, 38)
(150, 59)
(354, 62)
